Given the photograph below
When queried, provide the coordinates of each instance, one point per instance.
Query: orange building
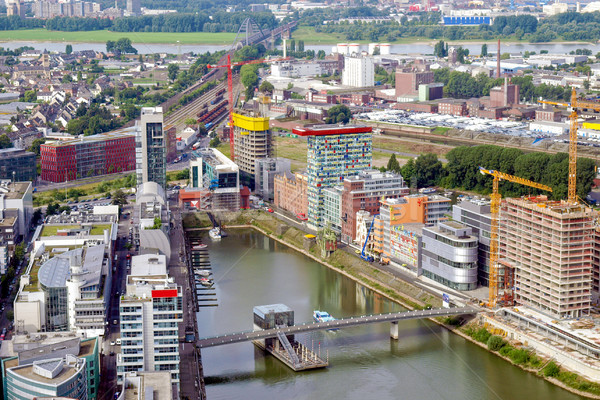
(290, 192)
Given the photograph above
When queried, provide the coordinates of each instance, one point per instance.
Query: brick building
(408, 81)
(101, 154)
(290, 192)
(452, 107)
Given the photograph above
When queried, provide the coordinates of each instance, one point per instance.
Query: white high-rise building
(151, 148)
(358, 72)
(151, 311)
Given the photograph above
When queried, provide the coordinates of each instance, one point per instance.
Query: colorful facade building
(334, 152)
(101, 154)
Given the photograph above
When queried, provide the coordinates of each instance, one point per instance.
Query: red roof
(322, 130)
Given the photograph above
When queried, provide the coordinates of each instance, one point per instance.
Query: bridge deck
(338, 323)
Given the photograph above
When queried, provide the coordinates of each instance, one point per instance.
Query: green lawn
(50, 230)
(99, 229)
(43, 35)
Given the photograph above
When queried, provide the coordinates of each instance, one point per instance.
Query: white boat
(205, 281)
(202, 272)
(199, 247)
(215, 233)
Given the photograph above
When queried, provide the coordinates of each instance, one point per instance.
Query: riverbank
(43, 35)
(361, 272)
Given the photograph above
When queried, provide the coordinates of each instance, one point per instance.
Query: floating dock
(201, 271)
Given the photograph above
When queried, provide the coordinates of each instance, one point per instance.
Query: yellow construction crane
(575, 104)
(495, 208)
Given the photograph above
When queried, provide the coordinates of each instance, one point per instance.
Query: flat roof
(118, 134)
(323, 130)
(12, 190)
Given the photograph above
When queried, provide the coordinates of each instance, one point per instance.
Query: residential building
(295, 69)
(153, 206)
(17, 164)
(87, 156)
(395, 214)
(265, 171)
(332, 207)
(449, 255)
(252, 140)
(364, 191)
(211, 170)
(334, 152)
(548, 247)
(24, 350)
(151, 147)
(452, 107)
(151, 311)
(476, 214)
(358, 72)
(291, 192)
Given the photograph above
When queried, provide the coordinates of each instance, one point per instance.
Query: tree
(428, 169)
(393, 164)
(484, 50)
(321, 54)
(119, 198)
(292, 46)
(440, 49)
(586, 84)
(301, 45)
(266, 87)
(408, 170)
(172, 71)
(69, 49)
(37, 217)
(5, 142)
(340, 114)
(52, 209)
(191, 121)
(215, 142)
(30, 96)
(376, 51)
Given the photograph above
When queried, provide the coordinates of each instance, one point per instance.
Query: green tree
(339, 114)
(321, 54)
(191, 121)
(266, 87)
(301, 45)
(408, 170)
(30, 96)
(495, 343)
(292, 46)
(249, 79)
(393, 164)
(429, 170)
(119, 198)
(551, 369)
(172, 71)
(5, 142)
(440, 49)
(68, 49)
(214, 142)
(484, 50)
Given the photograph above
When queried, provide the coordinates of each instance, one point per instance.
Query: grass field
(43, 35)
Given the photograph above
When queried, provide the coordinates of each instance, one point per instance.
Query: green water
(427, 362)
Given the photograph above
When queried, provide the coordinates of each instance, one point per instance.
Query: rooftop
(14, 190)
(68, 370)
(118, 134)
(323, 130)
(556, 209)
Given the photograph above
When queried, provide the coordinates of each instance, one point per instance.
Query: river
(427, 362)
(406, 48)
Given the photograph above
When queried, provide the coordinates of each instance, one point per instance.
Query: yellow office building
(252, 140)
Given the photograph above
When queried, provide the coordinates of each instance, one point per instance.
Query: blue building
(468, 21)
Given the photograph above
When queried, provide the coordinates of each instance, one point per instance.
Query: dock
(202, 275)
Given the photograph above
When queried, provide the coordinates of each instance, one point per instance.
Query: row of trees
(462, 171)
(91, 121)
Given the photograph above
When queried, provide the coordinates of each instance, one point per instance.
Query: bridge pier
(394, 330)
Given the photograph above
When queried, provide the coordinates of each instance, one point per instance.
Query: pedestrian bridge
(336, 324)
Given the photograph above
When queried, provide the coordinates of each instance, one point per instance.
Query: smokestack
(498, 61)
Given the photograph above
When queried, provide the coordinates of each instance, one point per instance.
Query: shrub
(495, 343)
(519, 356)
(482, 335)
(505, 351)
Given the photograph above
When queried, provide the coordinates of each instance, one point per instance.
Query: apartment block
(265, 171)
(476, 214)
(548, 247)
(290, 192)
(334, 152)
(151, 311)
(449, 255)
(364, 192)
(358, 72)
(106, 153)
(332, 207)
(408, 81)
(252, 140)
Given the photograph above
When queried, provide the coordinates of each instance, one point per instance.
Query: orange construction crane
(575, 104)
(495, 208)
(230, 67)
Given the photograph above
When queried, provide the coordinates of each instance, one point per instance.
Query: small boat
(215, 233)
(205, 281)
(199, 247)
(202, 272)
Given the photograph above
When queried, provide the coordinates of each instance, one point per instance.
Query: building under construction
(252, 140)
(547, 248)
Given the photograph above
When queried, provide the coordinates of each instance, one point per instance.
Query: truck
(196, 146)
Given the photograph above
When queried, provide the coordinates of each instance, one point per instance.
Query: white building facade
(358, 72)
